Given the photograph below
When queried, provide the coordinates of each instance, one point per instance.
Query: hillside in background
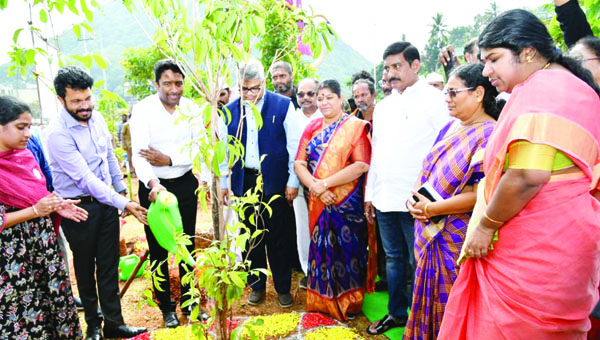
(116, 29)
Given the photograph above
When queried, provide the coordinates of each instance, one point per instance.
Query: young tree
(209, 39)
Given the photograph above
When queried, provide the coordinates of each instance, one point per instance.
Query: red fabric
(23, 183)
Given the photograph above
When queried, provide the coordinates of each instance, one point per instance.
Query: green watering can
(127, 264)
(165, 222)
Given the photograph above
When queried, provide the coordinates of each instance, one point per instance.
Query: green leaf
(16, 35)
(235, 278)
(100, 61)
(77, 31)
(89, 15)
(72, 7)
(43, 16)
(60, 6)
(3, 4)
(99, 84)
(30, 56)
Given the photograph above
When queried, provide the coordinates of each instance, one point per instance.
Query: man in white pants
(307, 99)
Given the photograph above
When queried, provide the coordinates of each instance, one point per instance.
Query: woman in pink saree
(531, 255)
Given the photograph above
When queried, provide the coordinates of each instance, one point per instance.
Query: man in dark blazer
(270, 150)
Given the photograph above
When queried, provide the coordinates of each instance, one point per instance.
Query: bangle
(426, 209)
(491, 219)
(37, 214)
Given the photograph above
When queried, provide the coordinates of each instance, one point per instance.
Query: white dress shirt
(404, 129)
(301, 121)
(252, 157)
(152, 125)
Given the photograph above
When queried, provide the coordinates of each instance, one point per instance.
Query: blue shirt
(83, 162)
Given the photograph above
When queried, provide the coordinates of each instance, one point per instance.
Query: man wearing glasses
(405, 125)
(266, 125)
(307, 99)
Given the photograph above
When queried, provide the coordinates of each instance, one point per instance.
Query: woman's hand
(328, 198)
(318, 188)
(417, 209)
(68, 209)
(478, 242)
(47, 205)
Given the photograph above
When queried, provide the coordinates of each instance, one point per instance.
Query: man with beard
(405, 124)
(163, 162)
(386, 87)
(307, 98)
(83, 168)
(283, 81)
(224, 94)
(363, 91)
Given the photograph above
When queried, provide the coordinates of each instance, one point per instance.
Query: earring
(529, 59)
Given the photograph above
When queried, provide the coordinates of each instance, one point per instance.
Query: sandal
(385, 325)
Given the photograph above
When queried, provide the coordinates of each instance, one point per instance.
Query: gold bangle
(426, 209)
(37, 214)
(491, 219)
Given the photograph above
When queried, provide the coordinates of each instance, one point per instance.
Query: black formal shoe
(187, 311)
(303, 282)
(93, 333)
(78, 303)
(170, 319)
(285, 300)
(381, 286)
(256, 296)
(122, 331)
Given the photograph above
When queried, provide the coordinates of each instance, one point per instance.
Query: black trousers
(95, 247)
(277, 241)
(184, 188)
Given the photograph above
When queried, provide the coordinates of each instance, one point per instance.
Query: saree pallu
(337, 260)
(454, 162)
(540, 280)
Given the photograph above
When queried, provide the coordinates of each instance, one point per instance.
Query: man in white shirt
(268, 152)
(163, 162)
(307, 99)
(405, 125)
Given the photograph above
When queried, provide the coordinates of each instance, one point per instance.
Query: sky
(367, 26)
(370, 26)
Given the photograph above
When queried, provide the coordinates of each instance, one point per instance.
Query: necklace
(323, 130)
(546, 66)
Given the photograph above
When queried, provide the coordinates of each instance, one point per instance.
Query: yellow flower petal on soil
(338, 333)
(274, 326)
(179, 333)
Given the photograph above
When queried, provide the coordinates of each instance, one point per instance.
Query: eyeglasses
(452, 93)
(308, 94)
(253, 89)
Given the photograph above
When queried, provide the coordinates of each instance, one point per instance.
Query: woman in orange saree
(333, 157)
(532, 259)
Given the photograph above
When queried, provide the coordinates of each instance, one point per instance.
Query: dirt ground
(138, 313)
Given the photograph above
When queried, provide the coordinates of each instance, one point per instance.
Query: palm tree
(439, 29)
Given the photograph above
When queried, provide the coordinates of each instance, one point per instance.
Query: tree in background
(438, 38)
(592, 12)
(209, 39)
(283, 39)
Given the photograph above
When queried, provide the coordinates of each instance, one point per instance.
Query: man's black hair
(410, 52)
(74, 77)
(165, 64)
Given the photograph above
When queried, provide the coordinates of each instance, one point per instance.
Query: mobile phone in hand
(450, 65)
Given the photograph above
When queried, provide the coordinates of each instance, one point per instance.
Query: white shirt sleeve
(290, 124)
(140, 139)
